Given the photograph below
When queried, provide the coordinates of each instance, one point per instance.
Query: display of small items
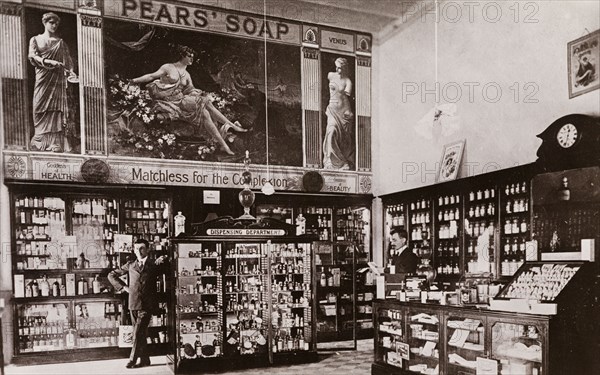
(420, 225)
(543, 283)
(515, 227)
(246, 335)
(447, 257)
(481, 213)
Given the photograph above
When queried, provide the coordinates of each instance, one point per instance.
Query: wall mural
(339, 109)
(178, 94)
(53, 85)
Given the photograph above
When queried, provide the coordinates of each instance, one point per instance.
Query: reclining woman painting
(175, 98)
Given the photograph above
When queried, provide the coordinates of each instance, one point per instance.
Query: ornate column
(12, 73)
(363, 103)
(92, 82)
(311, 100)
(363, 113)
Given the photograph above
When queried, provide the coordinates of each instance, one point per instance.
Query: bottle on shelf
(45, 287)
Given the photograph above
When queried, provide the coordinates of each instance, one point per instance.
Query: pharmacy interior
(239, 145)
(221, 160)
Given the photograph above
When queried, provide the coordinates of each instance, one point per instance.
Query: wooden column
(92, 82)
(12, 74)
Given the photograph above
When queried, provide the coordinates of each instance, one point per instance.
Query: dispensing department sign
(245, 232)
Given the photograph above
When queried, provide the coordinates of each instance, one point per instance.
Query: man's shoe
(130, 364)
(142, 364)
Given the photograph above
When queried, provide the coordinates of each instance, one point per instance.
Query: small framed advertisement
(451, 160)
(583, 58)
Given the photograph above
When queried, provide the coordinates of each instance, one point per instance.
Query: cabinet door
(391, 345)
(44, 327)
(423, 334)
(199, 317)
(245, 275)
(465, 342)
(518, 345)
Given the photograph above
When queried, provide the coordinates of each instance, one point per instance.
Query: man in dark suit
(402, 257)
(142, 296)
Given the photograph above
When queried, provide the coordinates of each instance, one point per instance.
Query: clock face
(567, 135)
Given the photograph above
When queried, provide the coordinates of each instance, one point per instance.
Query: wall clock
(572, 141)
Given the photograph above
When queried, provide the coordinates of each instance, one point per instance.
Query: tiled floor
(330, 362)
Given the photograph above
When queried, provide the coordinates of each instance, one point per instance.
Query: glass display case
(518, 347)
(423, 336)
(64, 248)
(391, 346)
(242, 297)
(465, 342)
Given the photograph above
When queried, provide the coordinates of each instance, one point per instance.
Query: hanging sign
(245, 232)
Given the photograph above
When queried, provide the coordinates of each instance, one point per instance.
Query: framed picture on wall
(451, 159)
(583, 57)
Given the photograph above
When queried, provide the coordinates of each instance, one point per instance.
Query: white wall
(504, 54)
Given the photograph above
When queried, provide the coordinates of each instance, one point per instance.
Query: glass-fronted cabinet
(64, 245)
(423, 336)
(242, 298)
(518, 346)
(391, 346)
(465, 342)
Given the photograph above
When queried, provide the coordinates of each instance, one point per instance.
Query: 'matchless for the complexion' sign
(199, 18)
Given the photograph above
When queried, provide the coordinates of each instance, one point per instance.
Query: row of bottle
(447, 251)
(324, 221)
(516, 188)
(288, 268)
(144, 203)
(158, 215)
(35, 248)
(68, 340)
(476, 229)
(448, 268)
(40, 216)
(514, 227)
(448, 215)
(472, 248)
(289, 250)
(515, 247)
(447, 200)
(289, 286)
(289, 320)
(516, 206)
(202, 306)
(448, 231)
(316, 210)
(198, 288)
(35, 232)
(419, 233)
(330, 278)
(251, 303)
(420, 204)
(420, 218)
(244, 268)
(109, 218)
(38, 202)
(287, 341)
(56, 289)
(481, 194)
(95, 208)
(482, 210)
(147, 227)
(245, 286)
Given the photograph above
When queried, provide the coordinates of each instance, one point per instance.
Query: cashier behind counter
(402, 259)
